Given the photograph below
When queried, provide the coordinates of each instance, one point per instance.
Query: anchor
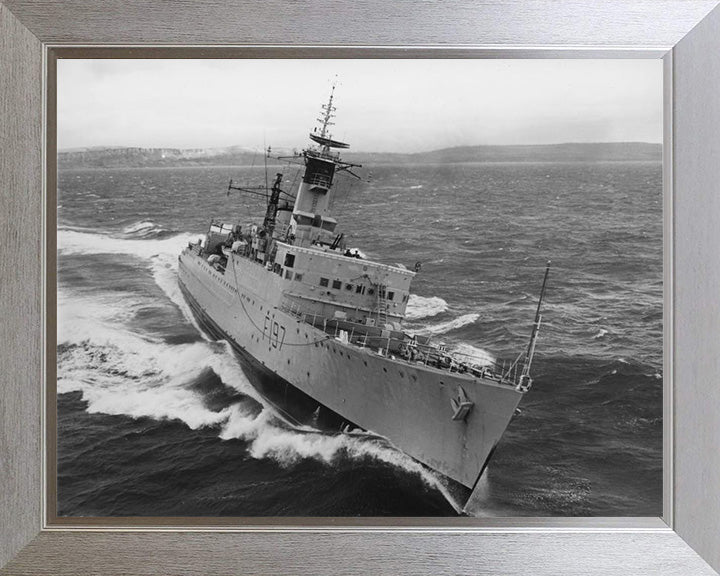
(461, 405)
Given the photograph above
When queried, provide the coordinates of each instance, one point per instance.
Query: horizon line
(259, 149)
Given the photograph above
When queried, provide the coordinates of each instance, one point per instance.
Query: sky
(382, 105)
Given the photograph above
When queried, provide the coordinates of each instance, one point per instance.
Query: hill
(238, 156)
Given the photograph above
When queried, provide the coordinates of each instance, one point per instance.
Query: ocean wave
(600, 334)
(99, 348)
(121, 372)
(424, 307)
(161, 253)
(75, 242)
(141, 379)
(144, 229)
(454, 324)
(469, 353)
(288, 446)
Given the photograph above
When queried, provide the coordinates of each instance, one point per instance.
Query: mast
(272, 207)
(525, 380)
(327, 115)
(311, 212)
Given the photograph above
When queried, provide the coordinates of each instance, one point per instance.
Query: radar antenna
(324, 138)
(328, 114)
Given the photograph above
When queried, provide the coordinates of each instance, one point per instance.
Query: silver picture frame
(684, 33)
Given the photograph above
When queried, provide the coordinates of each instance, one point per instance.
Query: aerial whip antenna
(525, 380)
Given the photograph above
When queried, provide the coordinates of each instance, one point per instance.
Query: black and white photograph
(358, 287)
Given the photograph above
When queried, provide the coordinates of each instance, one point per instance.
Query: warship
(310, 317)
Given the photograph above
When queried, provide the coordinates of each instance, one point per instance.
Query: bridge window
(298, 277)
(337, 284)
(349, 287)
(391, 295)
(289, 260)
(302, 220)
(371, 291)
(288, 275)
(358, 289)
(324, 282)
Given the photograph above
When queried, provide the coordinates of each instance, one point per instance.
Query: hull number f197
(274, 331)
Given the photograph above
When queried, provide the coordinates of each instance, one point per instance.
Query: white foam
(162, 255)
(76, 242)
(287, 446)
(164, 271)
(601, 333)
(451, 325)
(359, 252)
(469, 353)
(142, 228)
(122, 372)
(424, 307)
(119, 372)
(101, 317)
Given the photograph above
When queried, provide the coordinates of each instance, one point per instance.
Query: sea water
(155, 418)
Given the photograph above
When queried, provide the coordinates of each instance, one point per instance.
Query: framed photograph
(287, 308)
(256, 304)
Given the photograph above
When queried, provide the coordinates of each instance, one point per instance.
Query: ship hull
(294, 405)
(409, 404)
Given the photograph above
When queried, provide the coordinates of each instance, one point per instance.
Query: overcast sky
(382, 105)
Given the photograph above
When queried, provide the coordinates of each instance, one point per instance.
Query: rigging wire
(292, 186)
(343, 200)
(265, 155)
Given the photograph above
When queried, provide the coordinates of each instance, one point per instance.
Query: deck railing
(400, 347)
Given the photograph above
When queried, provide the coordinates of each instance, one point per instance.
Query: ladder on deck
(382, 304)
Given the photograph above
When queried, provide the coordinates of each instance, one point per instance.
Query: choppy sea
(156, 419)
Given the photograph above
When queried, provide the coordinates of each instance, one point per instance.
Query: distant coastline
(119, 157)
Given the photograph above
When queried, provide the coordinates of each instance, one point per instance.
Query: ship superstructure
(304, 310)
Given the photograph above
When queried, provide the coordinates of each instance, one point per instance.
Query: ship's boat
(306, 314)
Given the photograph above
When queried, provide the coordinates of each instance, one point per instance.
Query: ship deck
(396, 344)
